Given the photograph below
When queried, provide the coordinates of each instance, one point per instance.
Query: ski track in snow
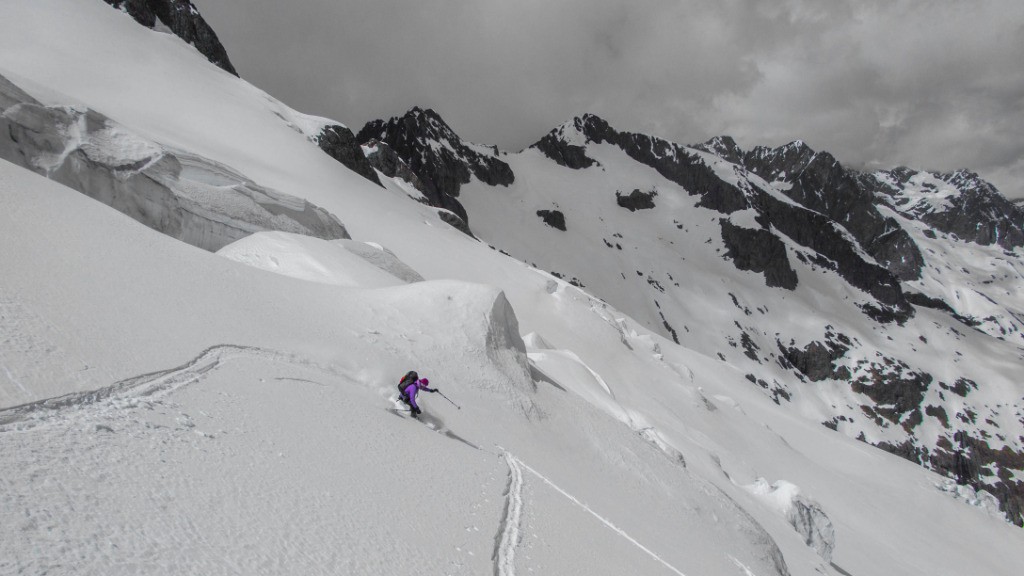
(152, 385)
(81, 431)
(508, 530)
(515, 463)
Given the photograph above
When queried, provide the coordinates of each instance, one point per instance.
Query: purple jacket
(412, 389)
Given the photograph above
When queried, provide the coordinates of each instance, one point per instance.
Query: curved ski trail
(148, 387)
(508, 531)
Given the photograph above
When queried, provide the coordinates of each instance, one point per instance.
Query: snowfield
(167, 410)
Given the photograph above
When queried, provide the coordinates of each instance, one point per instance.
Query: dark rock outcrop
(896, 389)
(389, 163)
(970, 462)
(184, 20)
(553, 218)
(451, 219)
(438, 156)
(636, 200)
(924, 301)
(816, 360)
(339, 143)
(554, 146)
(759, 251)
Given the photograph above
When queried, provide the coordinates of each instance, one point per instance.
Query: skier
(410, 387)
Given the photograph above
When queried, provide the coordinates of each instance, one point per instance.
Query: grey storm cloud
(931, 84)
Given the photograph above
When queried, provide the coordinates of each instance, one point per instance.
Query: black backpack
(409, 378)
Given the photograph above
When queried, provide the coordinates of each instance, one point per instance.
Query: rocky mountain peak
(782, 162)
(427, 125)
(725, 147)
(441, 159)
(595, 128)
(566, 144)
(183, 19)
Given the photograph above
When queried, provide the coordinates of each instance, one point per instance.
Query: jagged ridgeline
(832, 287)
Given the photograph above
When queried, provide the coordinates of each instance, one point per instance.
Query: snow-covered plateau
(167, 409)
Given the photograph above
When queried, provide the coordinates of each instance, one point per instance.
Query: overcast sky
(931, 84)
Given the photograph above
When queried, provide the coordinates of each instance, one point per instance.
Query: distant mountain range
(875, 299)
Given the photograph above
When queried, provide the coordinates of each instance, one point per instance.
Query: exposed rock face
(339, 143)
(970, 461)
(759, 251)
(553, 218)
(823, 236)
(672, 161)
(453, 220)
(442, 161)
(959, 203)
(382, 157)
(817, 360)
(973, 466)
(636, 200)
(184, 20)
(168, 191)
(556, 146)
(817, 181)
(386, 160)
(896, 389)
(918, 299)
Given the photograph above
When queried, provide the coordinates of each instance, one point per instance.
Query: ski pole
(449, 399)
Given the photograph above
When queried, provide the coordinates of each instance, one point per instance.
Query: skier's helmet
(424, 382)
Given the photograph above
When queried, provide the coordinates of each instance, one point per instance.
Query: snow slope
(209, 416)
(268, 445)
(918, 386)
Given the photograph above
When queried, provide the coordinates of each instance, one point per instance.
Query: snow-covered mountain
(840, 294)
(166, 409)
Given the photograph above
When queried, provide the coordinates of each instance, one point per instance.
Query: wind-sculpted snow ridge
(336, 262)
(185, 196)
